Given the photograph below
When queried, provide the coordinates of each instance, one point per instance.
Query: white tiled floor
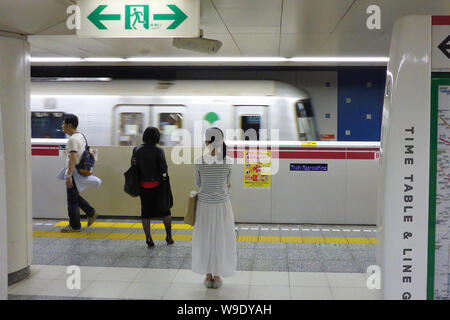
(173, 284)
(29, 286)
(118, 274)
(311, 293)
(59, 288)
(145, 290)
(104, 289)
(156, 275)
(306, 279)
(351, 280)
(269, 293)
(267, 278)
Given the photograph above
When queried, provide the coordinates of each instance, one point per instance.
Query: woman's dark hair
(151, 136)
(72, 119)
(210, 136)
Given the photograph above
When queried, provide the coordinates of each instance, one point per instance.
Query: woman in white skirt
(214, 237)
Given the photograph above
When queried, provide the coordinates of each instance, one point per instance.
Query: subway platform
(274, 262)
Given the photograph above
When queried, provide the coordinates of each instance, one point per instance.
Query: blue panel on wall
(360, 93)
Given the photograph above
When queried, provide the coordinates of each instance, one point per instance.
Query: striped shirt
(212, 179)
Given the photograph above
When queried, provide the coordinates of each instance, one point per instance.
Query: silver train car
(117, 112)
(316, 182)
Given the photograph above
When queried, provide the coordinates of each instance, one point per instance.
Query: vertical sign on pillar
(3, 225)
(439, 226)
(439, 213)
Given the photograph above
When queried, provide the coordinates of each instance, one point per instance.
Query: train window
(168, 122)
(131, 126)
(47, 125)
(305, 121)
(304, 109)
(251, 124)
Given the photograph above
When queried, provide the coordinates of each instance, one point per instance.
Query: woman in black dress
(152, 165)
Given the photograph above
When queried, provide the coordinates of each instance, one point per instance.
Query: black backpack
(86, 165)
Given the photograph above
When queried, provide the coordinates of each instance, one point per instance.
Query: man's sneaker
(68, 228)
(92, 219)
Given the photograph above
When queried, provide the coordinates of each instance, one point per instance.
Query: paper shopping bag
(192, 205)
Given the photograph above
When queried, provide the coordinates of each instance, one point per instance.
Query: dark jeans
(74, 203)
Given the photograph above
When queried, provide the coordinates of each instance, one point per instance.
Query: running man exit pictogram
(136, 15)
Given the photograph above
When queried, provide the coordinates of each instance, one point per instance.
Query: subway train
(116, 112)
(315, 182)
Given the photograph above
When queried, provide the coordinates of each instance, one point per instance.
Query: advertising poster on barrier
(257, 169)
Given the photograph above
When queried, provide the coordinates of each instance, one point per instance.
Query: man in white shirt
(74, 150)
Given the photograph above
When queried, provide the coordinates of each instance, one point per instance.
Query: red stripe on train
(314, 155)
(343, 149)
(360, 155)
(45, 152)
(311, 155)
(440, 20)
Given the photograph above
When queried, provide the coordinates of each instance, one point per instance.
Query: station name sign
(308, 167)
(139, 18)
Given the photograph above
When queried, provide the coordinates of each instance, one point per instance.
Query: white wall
(16, 122)
(324, 98)
(3, 229)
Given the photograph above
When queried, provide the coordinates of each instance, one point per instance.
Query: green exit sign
(139, 18)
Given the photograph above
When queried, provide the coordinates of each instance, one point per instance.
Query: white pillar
(16, 128)
(3, 228)
(402, 219)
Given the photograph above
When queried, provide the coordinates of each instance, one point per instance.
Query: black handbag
(132, 178)
(132, 182)
(165, 197)
(164, 193)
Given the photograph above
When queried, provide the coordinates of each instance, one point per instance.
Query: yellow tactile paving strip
(186, 237)
(125, 225)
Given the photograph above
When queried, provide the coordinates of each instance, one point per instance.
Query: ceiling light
(339, 59)
(207, 59)
(56, 59)
(73, 79)
(306, 60)
(105, 59)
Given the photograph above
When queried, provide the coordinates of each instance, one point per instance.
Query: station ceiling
(247, 28)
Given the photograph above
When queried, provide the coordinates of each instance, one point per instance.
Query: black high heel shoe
(150, 243)
(169, 242)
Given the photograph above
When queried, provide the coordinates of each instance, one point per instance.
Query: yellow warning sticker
(309, 144)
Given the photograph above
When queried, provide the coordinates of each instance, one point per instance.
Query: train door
(167, 118)
(253, 122)
(249, 204)
(130, 122)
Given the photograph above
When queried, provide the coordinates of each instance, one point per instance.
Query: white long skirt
(214, 239)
